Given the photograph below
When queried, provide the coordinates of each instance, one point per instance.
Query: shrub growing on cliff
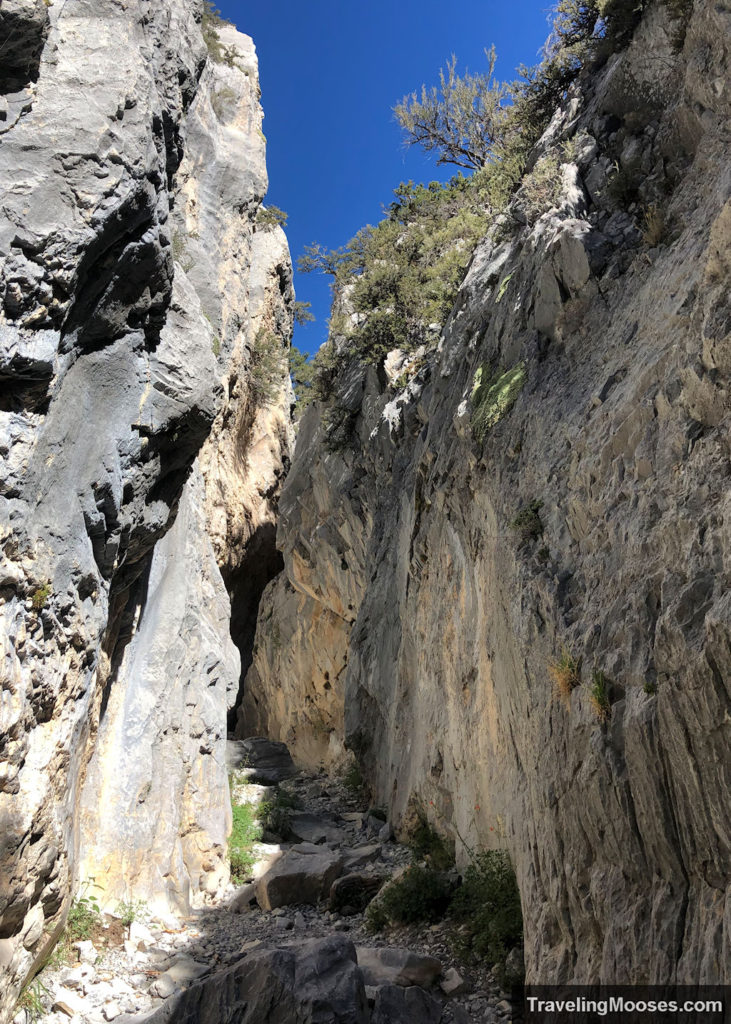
(39, 597)
(271, 216)
(527, 523)
(461, 119)
(403, 274)
(211, 21)
(427, 844)
(267, 366)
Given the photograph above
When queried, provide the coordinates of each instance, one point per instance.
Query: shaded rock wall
(403, 555)
(127, 252)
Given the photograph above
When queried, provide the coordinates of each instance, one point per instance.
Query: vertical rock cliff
(133, 282)
(434, 571)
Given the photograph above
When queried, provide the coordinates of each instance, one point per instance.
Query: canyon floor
(127, 973)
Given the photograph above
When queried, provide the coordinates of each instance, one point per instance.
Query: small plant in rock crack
(565, 672)
(527, 523)
(39, 597)
(31, 1001)
(599, 695)
(353, 780)
(654, 227)
(129, 911)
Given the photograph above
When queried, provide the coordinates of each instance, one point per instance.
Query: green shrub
(84, 917)
(461, 119)
(211, 21)
(421, 893)
(274, 814)
(488, 906)
(267, 366)
(527, 523)
(245, 832)
(541, 189)
(270, 217)
(129, 911)
(404, 272)
(303, 313)
(339, 426)
(493, 396)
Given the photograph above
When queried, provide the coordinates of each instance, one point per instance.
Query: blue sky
(331, 72)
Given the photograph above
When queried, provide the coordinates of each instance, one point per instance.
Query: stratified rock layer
(443, 573)
(132, 283)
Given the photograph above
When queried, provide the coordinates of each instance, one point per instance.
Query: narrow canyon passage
(356, 686)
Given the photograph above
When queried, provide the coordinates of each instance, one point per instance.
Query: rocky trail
(284, 946)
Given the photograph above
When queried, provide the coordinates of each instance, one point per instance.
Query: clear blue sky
(331, 72)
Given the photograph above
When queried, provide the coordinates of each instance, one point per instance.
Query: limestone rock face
(444, 572)
(132, 283)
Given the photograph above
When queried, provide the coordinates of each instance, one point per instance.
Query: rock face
(433, 576)
(133, 283)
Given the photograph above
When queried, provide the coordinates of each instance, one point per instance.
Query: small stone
(87, 951)
(284, 924)
(163, 986)
(299, 920)
(453, 984)
(69, 1002)
(111, 1010)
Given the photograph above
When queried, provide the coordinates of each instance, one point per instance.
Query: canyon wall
(434, 572)
(134, 281)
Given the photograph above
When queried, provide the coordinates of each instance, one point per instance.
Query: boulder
(267, 761)
(358, 856)
(397, 967)
(310, 829)
(395, 1005)
(303, 875)
(313, 983)
(352, 893)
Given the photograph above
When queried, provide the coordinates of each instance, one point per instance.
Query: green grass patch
(493, 396)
